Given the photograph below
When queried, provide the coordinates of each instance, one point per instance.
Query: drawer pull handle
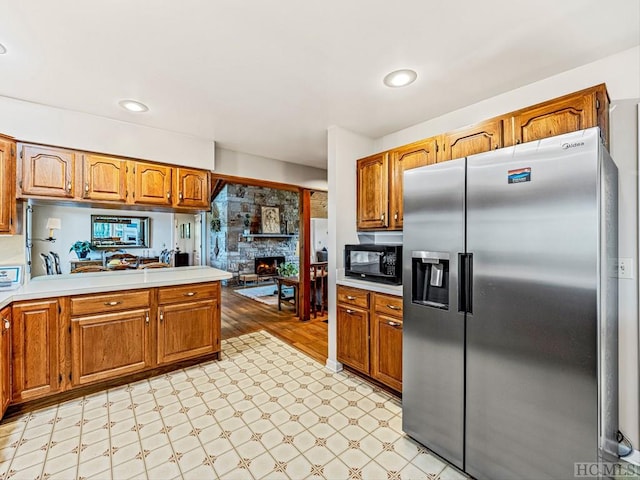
(350, 297)
(112, 304)
(393, 307)
(190, 294)
(69, 187)
(146, 318)
(350, 312)
(162, 316)
(7, 324)
(394, 324)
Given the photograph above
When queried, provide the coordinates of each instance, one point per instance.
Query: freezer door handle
(465, 279)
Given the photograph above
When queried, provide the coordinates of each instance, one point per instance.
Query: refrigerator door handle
(465, 280)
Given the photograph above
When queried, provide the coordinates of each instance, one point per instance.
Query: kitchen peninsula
(76, 334)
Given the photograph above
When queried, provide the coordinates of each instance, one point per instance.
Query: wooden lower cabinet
(386, 340)
(5, 359)
(353, 337)
(36, 349)
(109, 345)
(187, 330)
(369, 335)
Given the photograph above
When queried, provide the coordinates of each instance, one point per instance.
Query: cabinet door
(5, 359)
(563, 115)
(191, 188)
(104, 178)
(35, 338)
(373, 191)
(48, 172)
(187, 330)
(152, 184)
(353, 337)
(386, 343)
(410, 156)
(109, 345)
(7, 182)
(478, 138)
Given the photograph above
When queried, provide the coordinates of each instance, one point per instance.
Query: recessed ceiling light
(400, 78)
(133, 106)
(3, 49)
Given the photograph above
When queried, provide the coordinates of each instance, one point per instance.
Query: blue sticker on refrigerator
(520, 175)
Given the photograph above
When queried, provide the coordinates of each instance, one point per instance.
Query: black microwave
(376, 263)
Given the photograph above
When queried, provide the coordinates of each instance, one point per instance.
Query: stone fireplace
(268, 266)
(235, 240)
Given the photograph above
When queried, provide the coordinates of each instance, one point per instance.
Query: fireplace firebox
(268, 266)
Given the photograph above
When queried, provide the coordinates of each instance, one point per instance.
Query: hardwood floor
(242, 315)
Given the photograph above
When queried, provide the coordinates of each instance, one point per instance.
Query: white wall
(240, 164)
(621, 73)
(344, 148)
(76, 225)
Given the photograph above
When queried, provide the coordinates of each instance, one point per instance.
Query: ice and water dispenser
(430, 279)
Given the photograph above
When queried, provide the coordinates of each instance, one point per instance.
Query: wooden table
(288, 282)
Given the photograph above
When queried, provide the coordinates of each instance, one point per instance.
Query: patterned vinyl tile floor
(264, 411)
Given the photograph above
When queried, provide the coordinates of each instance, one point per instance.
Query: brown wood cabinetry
(353, 337)
(380, 190)
(410, 156)
(188, 322)
(36, 349)
(54, 173)
(373, 192)
(369, 334)
(152, 184)
(386, 340)
(5, 359)
(110, 335)
(584, 109)
(46, 172)
(104, 178)
(191, 188)
(478, 138)
(109, 345)
(7, 182)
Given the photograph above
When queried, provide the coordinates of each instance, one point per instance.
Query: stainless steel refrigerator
(510, 308)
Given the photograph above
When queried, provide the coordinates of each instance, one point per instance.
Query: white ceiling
(268, 77)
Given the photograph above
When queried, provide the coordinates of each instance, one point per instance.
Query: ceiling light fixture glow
(3, 49)
(400, 78)
(133, 106)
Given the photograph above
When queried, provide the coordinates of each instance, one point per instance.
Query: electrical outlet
(625, 268)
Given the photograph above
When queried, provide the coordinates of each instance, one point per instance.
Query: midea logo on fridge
(567, 146)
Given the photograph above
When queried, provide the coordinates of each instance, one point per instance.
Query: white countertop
(74, 284)
(373, 286)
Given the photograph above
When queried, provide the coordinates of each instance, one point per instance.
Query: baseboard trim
(333, 365)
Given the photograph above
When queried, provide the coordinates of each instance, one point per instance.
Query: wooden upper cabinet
(36, 349)
(373, 191)
(47, 172)
(152, 184)
(7, 182)
(477, 138)
(191, 188)
(415, 155)
(104, 178)
(577, 111)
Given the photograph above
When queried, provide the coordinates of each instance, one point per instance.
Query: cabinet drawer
(109, 302)
(197, 291)
(353, 296)
(388, 304)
